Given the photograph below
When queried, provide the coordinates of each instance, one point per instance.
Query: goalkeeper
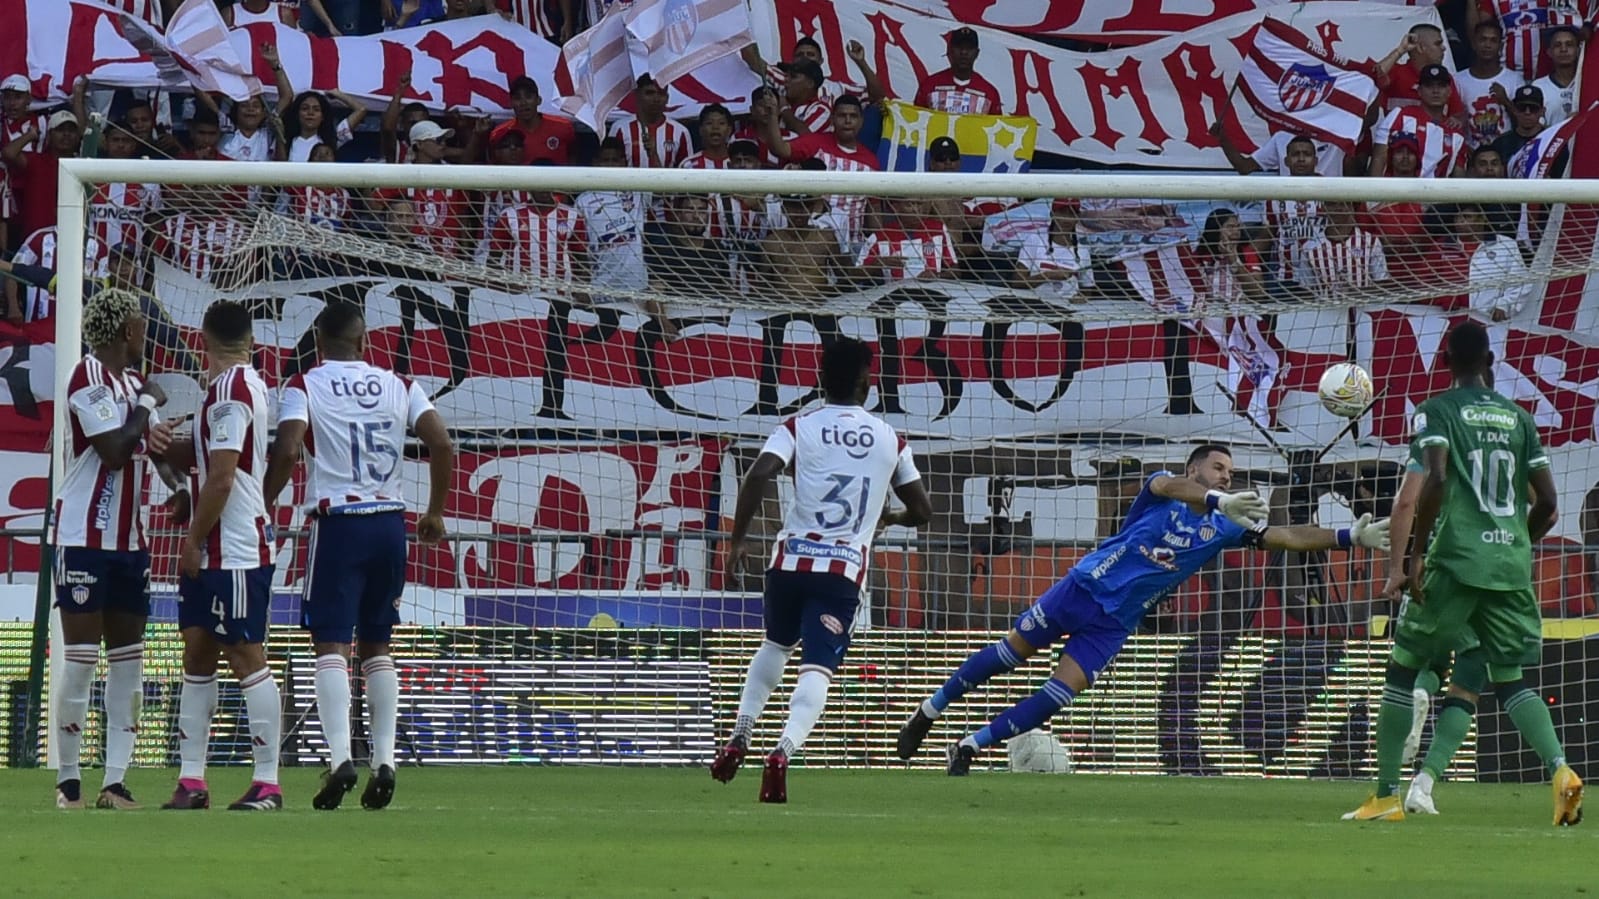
(1176, 525)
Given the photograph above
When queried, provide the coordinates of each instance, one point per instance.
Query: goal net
(611, 347)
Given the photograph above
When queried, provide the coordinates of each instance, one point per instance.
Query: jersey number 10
(1494, 482)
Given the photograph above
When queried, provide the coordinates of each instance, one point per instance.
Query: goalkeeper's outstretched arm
(1309, 538)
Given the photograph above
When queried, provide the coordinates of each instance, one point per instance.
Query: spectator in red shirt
(543, 137)
(839, 151)
(37, 172)
(959, 89)
(1425, 46)
(651, 140)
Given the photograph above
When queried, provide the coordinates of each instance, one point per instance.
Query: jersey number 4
(365, 434)
(1494, 481)
(844, 507)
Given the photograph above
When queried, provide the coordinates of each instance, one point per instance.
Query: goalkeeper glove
(1245, 509)
(1367, 533)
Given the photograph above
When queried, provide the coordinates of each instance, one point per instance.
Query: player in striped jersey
(225, 570)
(1176, 525)
(35, 303)
(845, 461)
(350, 418)
(102, 575)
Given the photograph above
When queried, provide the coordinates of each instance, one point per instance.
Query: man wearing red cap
(959, 89)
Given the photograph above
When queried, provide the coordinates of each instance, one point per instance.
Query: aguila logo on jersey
(1207, 533)
(857, 444)
(1164, 556)
(1304, 86)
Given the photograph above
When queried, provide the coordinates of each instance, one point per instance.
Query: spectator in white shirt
(1559, 87)
(1486, 87)
(613, 223)
(310, 121)
(1055, 263)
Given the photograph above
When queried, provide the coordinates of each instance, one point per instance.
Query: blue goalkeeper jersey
(1161, 542)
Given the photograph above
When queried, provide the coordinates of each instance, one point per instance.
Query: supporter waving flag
(1537, 156)
(1292, 83)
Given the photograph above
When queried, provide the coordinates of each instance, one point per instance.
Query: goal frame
(78, 176)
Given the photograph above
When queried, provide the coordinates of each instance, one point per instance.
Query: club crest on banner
(1304, 86)
(682, 21)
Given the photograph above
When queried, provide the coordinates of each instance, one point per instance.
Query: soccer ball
(1345, 390)
(1037, 752)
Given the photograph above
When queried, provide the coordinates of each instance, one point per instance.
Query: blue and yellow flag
(988, 143)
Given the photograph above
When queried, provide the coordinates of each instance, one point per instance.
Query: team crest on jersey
(1304, 86)
(1207, 532)
(80, 595)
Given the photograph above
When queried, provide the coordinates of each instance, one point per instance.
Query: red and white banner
(596, 70)
(1148, 105)
(195, 53)
(462, 63)
(1100, 22)
(1295, 85)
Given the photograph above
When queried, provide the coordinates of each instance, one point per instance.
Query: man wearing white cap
(36, 190)
(16, 96)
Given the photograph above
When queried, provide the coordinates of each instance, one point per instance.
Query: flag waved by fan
(195, 52)
(1290, 82)
(666, 39)
(1538, 156)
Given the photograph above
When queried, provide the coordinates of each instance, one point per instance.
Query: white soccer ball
(1345, 390)
(1036, 752)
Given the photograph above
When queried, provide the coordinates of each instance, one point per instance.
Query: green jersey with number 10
(1480, 536)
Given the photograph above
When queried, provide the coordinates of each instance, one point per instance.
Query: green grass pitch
(592, 832)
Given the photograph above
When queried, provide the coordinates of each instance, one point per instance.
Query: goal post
(1045, 342)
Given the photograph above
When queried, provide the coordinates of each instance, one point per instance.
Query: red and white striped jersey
(1292, 222)
(1525, 23)
(495, 202)
(748, 131)
(1443, 148)
(946, 93)
(325, 207)
(11, 129)
(233, 416)
(1332, 267)
(435, 216)
(925, 250)
(198, 244)
(817, 116)
(698, 160)
(98, 507)
(40, 249)
(845, 461)
(534, 241)
(669, 138)
(536, 15)
(117, 212)
(824, 146)
(356, 417)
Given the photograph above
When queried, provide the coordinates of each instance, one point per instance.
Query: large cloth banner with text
(1146, 105)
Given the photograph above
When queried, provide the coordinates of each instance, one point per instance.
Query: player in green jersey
(1482, 461)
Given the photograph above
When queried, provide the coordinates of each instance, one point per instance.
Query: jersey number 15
(365, 435)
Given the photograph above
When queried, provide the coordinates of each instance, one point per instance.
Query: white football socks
(382, 706)
(124, 696)
(264, 707)
(766, 670)
(197, 704)
(333, 705)
(804, 708)
(72, 707)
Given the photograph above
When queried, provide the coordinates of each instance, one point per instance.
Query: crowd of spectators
(1429, 123)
